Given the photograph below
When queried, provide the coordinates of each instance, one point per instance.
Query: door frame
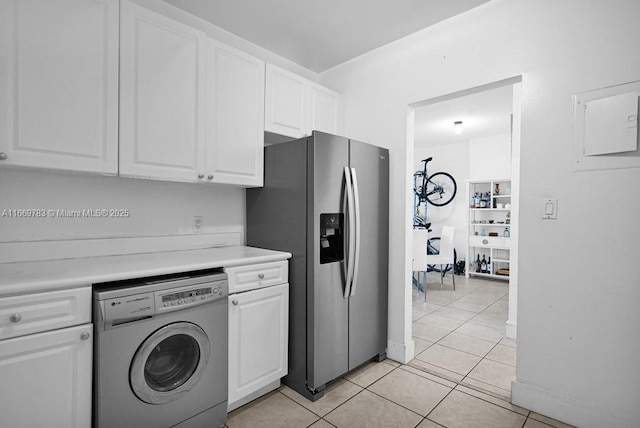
(516, 82)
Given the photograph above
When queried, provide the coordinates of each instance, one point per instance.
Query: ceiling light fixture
(457, 127)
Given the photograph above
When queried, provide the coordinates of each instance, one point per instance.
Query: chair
(421, 260)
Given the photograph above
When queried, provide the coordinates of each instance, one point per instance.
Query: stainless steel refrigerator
(326, 200)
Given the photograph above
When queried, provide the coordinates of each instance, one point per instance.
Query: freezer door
(369, 298)
(327, 314)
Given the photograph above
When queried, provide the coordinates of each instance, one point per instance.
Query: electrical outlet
(197, 223)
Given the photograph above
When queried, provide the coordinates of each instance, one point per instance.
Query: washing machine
(160, 356)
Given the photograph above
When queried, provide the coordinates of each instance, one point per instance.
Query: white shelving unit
(489, 227)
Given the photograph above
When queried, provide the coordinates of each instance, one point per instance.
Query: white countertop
(31, 277)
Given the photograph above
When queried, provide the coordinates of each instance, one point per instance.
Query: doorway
(487, 148)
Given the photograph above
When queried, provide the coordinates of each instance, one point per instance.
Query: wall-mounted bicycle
(437, 189)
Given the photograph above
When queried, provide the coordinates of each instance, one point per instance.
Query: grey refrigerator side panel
(327, 317)
(368, 307)
(277, 219)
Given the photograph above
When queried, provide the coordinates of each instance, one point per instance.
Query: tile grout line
(372, 392)
(495, 344)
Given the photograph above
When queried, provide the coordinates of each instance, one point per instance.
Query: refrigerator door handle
(352, 228)
(356, 211)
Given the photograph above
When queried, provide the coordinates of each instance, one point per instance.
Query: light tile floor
(460, 377)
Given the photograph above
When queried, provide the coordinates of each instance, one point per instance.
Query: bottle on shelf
(489, 265)
(478, 264)
(506, 232)
(483, 268)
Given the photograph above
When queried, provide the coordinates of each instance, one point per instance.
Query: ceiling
(483, 114)
(320, 34)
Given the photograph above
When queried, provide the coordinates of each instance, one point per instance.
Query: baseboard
(401, 352)
(511, 331)
(26, 251)
(569, 410)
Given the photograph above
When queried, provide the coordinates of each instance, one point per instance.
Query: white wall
(156, 208)
(578, 320)
(490, 157)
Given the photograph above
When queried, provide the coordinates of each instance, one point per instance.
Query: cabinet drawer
(250, 277)
(34, 313)
(486, 241)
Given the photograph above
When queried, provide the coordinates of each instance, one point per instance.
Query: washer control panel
(191, 295)
(123, 302)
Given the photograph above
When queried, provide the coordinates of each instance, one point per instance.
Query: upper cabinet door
(59, 84)
(235, 116)
(162, 96)
(325, 110)
(287, 103)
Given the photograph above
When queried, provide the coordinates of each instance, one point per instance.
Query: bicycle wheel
(433, 247)
(440, 189)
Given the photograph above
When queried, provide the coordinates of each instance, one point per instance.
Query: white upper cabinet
(192, 109)
(286, 103)
(162, 96)
(324, 110)
(235, 116)
(296, 106)
(59, 84)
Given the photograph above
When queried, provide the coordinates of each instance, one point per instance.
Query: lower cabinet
(46, 349)
(258, 342)
(46, 378)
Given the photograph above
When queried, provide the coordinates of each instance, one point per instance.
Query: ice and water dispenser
(331, 238)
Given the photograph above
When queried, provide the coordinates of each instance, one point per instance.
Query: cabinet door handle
(261, 275)
(15, 318)
(3, 156)
(210, 177)
(484, 241)
(235, 302)
(200, 175)
(84, 335)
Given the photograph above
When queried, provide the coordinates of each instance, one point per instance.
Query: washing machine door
(169, 363)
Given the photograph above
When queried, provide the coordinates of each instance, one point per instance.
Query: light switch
(549, 209)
